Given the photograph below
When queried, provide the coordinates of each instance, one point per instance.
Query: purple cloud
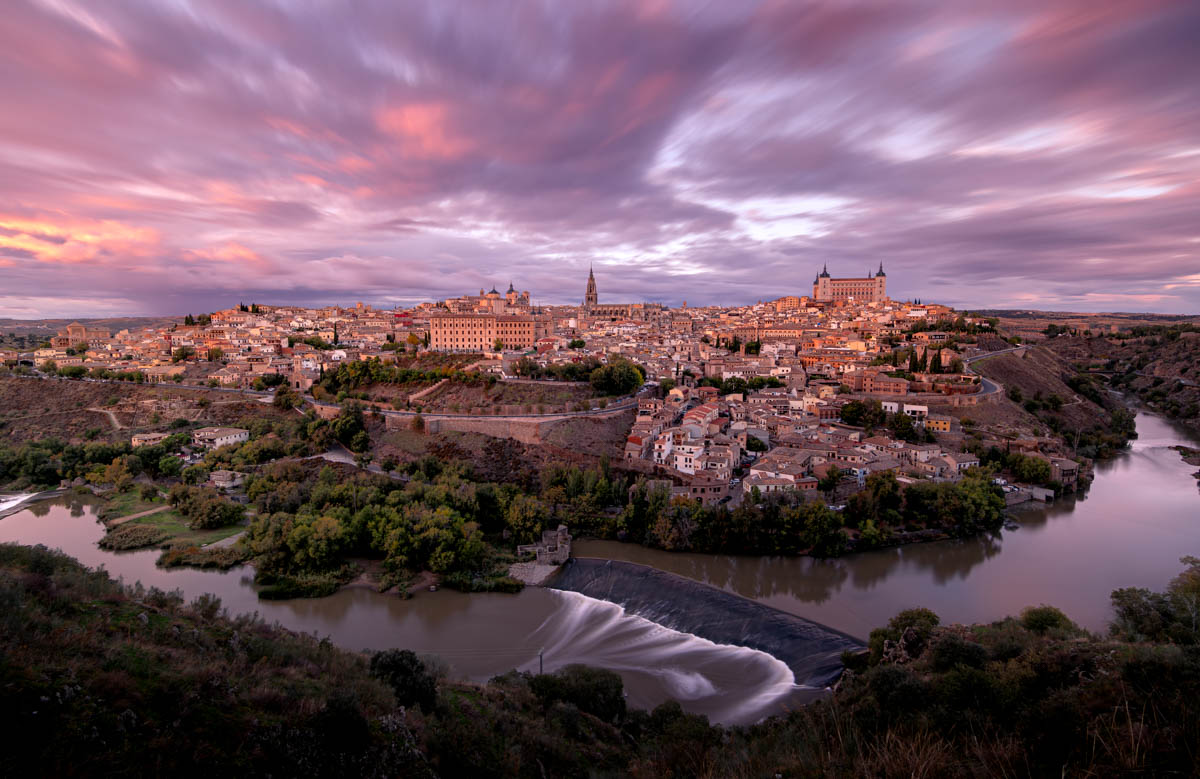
(165, 159)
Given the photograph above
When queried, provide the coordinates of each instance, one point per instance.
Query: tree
(407, 675)
(182, 353)
(755, 444)
(829, 482)
(348, 423)
(901, 427)
(864, 413)
(498, 345)
(285, 398)
(525, 517)
(417, 424)
(412, 340)
(576, 343)
(189, 320)
(215, 354)
(170, 466)
(618, 377)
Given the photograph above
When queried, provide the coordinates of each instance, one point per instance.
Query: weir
(811, 651)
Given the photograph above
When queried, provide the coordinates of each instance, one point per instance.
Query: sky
(185, 155)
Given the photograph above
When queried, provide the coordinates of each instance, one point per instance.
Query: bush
(132, 536)
(220, 557)
(1042, 619)
(950, 651)
(597, 691)
(408, 677)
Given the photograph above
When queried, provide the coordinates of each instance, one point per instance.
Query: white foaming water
(731, 684)
(10, 501)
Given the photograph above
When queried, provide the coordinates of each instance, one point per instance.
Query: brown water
(1141, 514)
(478, 635)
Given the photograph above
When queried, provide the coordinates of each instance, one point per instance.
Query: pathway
(116, 423)
(139, 515)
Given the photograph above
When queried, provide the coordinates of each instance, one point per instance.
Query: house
(961, 461)
(215, 437)
(147, 439)
(226, 480)
(937, 423)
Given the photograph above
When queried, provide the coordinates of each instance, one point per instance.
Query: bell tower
(590, 298)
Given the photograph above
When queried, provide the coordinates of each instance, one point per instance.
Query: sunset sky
(173, 156)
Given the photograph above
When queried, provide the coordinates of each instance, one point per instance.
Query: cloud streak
(178, 157)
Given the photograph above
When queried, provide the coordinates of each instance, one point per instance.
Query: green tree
(182, 353)
(348, 423)
(525, 517)
(215, 354)
(170, 466)
(618, 377)
(868, 414)
(829, 482)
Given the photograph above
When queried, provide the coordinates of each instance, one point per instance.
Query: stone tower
(590, 298)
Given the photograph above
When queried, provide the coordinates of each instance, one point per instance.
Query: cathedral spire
(590, 298)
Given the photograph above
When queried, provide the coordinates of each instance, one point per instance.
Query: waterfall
(812, 651)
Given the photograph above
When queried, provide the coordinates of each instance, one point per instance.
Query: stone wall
(527, 431)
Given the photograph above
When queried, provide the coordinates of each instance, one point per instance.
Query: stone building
(871, 288)
(450, 332)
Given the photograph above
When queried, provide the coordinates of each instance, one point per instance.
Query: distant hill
(112, 323)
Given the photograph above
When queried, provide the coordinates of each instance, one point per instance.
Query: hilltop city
(809, 393)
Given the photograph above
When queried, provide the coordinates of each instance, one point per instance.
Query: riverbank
(1190, 456)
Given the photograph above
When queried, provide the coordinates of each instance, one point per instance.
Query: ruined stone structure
(553, 549)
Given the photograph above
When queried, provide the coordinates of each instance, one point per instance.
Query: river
(477, 635)
(1140, 515)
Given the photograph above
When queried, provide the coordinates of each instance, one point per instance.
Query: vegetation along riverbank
(1028, 695)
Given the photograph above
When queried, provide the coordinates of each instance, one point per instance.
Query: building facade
(450, 332)
(615, 311)
(871, 288)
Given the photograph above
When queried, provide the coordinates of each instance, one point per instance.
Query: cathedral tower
(590, 298)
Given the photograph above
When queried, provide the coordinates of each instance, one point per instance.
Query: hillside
(1048, 398)
(74, 411)
(1162, 368)
(100, 680)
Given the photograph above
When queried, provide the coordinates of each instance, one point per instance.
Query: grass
(178, 532)
(166, 528)
(122, 504)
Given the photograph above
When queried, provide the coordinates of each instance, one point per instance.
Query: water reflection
(478, 635)
(1128, 530)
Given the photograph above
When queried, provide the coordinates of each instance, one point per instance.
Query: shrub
(132, 536)
(597, 691)
(408, 677)
(1042, 619)
(950, 651)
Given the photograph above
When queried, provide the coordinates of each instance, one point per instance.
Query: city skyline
(159, 158)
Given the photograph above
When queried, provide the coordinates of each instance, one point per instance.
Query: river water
(1140, 515)
(477, 635)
